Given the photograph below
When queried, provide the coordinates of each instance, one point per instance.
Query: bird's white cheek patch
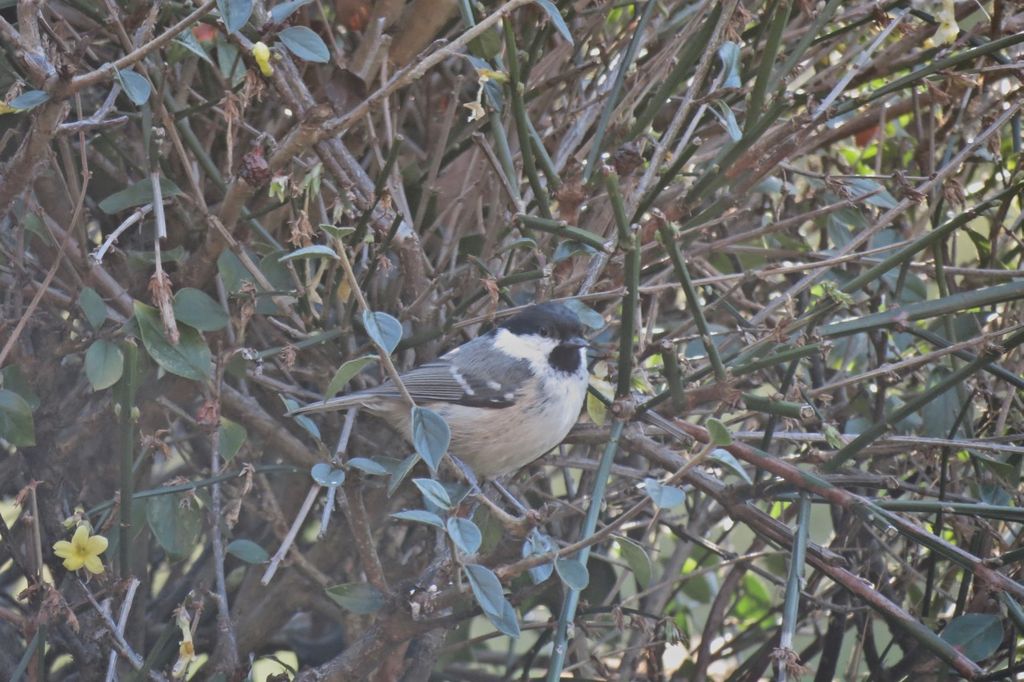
(530, 347)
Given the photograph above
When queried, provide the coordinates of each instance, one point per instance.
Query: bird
(509, 395)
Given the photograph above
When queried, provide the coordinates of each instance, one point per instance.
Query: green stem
(124, 396)
(572, 597)
(523, 126)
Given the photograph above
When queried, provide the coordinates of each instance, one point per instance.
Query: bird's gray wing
(474, 374)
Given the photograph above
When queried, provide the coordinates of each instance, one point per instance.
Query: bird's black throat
(565, 359)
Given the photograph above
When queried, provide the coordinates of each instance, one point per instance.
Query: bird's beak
(576, 342)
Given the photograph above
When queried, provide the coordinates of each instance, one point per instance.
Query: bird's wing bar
(443, 381)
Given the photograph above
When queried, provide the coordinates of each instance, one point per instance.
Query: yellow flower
(83, 550)
(261, 53)
(186, 648)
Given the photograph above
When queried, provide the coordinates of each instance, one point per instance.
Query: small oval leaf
(720, 435)
(367, 466)
(139, 194)
(639, 561)
(190, 358)
(29, 100)
(104, 364)
(314, 251)
(93, 306)
(573, 573)
(281, 12)
(433, 492)
(320, 471)
(358, 598)
(420, 516)
(430, 435)
(234, 13)
(248, 551)
(16, 423)
(975, 635)
(305, 44)
(384, 329)
(230, 438)
(465, 534)
(726, 459)
(491, 598)
(538, 543)
(345, 374)
(136, 86)
(196, 309)
(337, 232)
(665, 496)
(556, 19)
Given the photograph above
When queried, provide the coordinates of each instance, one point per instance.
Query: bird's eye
(545, 332)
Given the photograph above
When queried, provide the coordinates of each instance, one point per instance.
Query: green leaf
(136, 86)
(538, 543)
(29, 100)
(302, 420)
(230, 438)
(556, 19)
(13, 378)
(725, 116)
(93, 306)
(729, 53)
(196, 309)
(487, 45)
(861, 187)
(307, 252)
(190, 358)
(665, 496)
(420, 516)
(104, 364)
(176, 522)
(229, 61)
(433, 492)
(139, 194)
(489, 595)
(188, 40)
(234, 13)
(358, 598)
(248, 551)
(281, 12)
(726, 459)
(587, 315)
(430, 435)
(465, 534)
(939, 415)
(385, 330)
(975, 635)
(639, 561)
(326, 475)
(305, 44)
(401, 471)
(720, 435)
(345, 374)
(367, 466)
(337, 232)
(16, 423)
(573, 573)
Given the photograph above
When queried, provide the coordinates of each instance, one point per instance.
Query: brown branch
(108, 70)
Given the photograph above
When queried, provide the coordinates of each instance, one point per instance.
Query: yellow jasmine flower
(83, 550)
(186, 648)
(261, 53)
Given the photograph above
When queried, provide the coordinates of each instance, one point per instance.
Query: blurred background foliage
(794, 223)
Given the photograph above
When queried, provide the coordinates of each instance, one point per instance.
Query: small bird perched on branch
(508, 396)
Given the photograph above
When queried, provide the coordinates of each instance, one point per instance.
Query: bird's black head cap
(546, 319)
